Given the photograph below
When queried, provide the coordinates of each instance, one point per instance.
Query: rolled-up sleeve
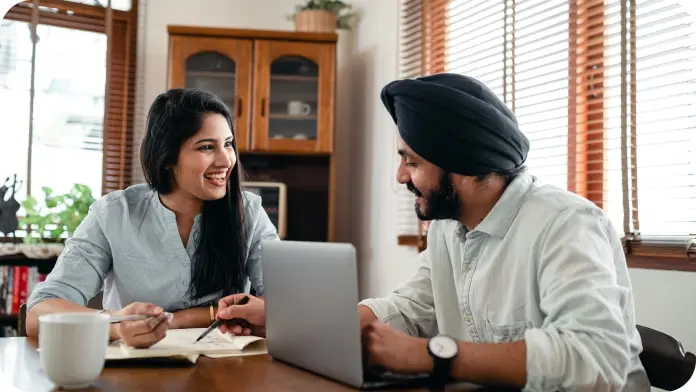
(81, 268)
(410, 306)
(583, 344)
(261, 229)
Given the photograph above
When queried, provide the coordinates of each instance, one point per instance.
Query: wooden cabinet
(280, 87)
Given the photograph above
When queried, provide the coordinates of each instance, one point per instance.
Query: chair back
(666, 362)
(22, 320)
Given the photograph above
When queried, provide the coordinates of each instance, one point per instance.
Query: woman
(175, 245)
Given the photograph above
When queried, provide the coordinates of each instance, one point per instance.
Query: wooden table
(20, 370)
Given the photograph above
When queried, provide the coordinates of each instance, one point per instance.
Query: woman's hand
(143, 333)
(242, 319)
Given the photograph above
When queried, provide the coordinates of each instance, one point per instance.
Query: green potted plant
(323, 16)
(58, 217)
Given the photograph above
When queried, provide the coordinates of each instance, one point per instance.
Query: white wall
(666, 300)
(367, 60)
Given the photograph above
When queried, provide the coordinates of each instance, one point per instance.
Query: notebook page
(180, 342)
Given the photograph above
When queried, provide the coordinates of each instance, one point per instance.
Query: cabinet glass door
(293, 94)
(293, 99)
(212, 72)
(219, 66)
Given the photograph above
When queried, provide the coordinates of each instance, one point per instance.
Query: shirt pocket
(506, 325)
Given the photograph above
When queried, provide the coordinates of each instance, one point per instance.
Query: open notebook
(181, 344)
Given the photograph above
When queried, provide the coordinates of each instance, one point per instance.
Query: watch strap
(441, 371)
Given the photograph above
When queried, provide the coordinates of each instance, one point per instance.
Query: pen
(129, 317)
(219, 322)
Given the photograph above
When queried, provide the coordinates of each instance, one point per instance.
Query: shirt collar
(168, 215)
(499, 219)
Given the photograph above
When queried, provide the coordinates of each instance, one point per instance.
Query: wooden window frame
(119, 97)
(586, 167)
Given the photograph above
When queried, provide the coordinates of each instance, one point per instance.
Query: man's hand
(242, 319)
(143, 333)
(395, 350)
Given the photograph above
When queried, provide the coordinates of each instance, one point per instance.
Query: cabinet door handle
(263, 107)
(239, 106)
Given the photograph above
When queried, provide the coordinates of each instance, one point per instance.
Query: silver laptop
(312, 322)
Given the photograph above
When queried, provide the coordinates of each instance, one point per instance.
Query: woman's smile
(218, 179)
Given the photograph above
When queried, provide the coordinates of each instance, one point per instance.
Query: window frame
(586, 168)
(119, 99)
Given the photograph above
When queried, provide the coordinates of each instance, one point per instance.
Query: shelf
(291, 117)
(211, 74)
(30, 254)
(293, 78)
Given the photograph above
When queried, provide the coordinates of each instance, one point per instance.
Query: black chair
(666, 362)
(22, 320)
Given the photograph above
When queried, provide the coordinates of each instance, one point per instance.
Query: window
(67, 95)
(604, 89)
(121, 5)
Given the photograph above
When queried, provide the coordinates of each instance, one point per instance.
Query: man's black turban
(456, 123)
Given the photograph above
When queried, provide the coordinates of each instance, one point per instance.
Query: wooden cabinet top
(282, 35)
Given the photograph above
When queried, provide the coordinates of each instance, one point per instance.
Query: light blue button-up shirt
(545, 266)
(129, 246)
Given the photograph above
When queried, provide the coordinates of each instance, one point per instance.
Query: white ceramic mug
(299, 108)
(72, 347)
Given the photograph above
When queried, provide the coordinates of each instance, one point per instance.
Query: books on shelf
(16, 283)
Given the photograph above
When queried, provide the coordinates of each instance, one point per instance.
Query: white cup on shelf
(299, 108)
(72, 347)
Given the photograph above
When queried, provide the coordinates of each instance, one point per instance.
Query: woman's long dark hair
(174, 117)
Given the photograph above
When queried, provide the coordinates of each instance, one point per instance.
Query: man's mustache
(413, 189)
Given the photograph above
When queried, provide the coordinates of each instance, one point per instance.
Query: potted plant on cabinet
(323, 16)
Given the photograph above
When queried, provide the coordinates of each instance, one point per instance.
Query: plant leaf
(57, 232)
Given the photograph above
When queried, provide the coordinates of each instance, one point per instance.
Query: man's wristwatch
(443, 349)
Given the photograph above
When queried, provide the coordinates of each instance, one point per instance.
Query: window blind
(414, 47)
(537, 82)
(665, 117)
(604, 89)
(64, 113)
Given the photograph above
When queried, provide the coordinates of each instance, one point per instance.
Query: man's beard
(443, 202)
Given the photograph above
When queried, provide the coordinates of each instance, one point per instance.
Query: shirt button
(184, 282)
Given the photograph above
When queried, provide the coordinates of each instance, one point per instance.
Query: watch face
(443, 347)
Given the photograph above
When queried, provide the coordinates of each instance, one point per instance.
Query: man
(522, 284)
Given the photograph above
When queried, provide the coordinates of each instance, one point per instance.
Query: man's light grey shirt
(545, 266)
(129, 246)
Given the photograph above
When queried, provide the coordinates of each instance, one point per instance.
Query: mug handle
(306, 109)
